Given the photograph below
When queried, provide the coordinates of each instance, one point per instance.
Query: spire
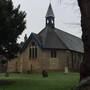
(50, 17)
(50, 11)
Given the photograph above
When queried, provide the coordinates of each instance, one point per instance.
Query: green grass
(55, 81)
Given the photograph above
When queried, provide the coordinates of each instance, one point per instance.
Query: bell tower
(50, 17)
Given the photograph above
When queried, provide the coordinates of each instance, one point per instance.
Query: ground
(54, 81)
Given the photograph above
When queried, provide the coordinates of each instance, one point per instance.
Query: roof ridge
(47, 32)
(68, 33)
(69, 40)
(45, 35)
(60, 38)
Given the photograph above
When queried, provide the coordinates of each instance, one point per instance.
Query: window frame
(33, 51)
(53, 53)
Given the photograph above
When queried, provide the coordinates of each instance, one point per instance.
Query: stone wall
(43, 62)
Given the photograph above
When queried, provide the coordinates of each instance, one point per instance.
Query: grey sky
(67, 15)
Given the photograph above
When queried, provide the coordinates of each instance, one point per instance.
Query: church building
(51, 49)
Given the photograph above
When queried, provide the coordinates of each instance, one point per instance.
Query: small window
(33, 51)
(30, 52)
(53, 53)
(33, 55)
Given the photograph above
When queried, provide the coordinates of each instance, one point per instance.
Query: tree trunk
(85, 24)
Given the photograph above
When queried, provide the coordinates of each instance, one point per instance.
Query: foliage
(12, 24)
(54, 81)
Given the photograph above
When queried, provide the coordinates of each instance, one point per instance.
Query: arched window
(33, 51)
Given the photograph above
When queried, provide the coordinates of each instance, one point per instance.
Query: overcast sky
(67, 15)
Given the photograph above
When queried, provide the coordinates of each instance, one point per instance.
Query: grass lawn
(55, 81)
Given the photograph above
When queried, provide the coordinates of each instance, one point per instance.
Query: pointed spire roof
(50, 11)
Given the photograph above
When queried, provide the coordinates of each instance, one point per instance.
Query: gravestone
(66, 70)
(44, 73)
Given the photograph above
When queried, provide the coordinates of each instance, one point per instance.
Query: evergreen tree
(12, 24)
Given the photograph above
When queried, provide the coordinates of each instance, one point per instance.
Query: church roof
(53, 38)
(58, 39)
(50, 11)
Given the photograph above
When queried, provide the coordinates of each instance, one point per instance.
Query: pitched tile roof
(55, 38)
